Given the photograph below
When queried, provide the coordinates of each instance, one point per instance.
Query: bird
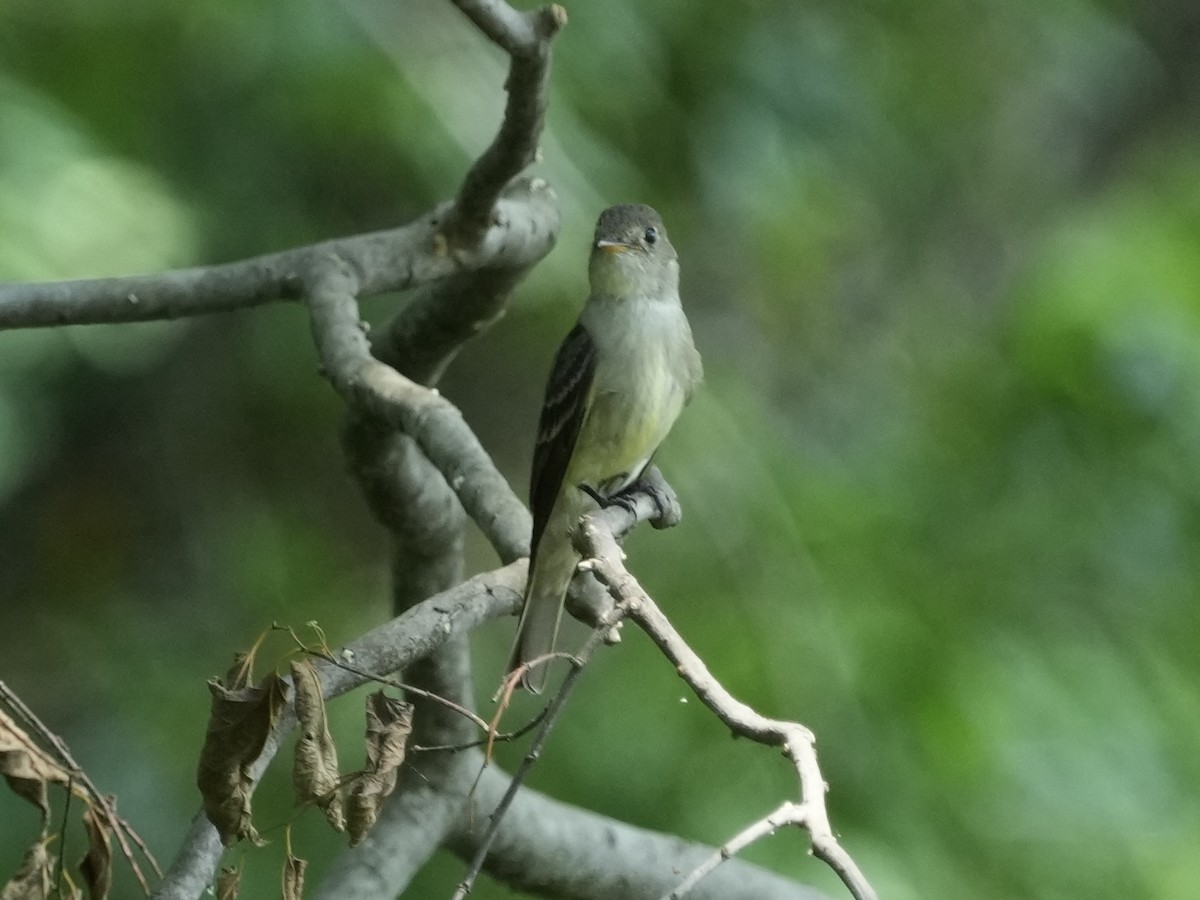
(619, 380)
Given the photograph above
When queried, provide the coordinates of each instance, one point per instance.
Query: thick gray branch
(436, 425)
(520, 233)
(440, 317)
(410, 498)
(544, 846)
(527, 38)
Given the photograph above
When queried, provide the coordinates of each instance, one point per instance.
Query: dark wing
(560, 422)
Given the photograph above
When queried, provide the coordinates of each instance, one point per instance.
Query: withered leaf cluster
(29, 769)
(242, 720)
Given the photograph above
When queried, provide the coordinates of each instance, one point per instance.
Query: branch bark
(521, 231)
(526, 37)
(554, 850)
(379, 391)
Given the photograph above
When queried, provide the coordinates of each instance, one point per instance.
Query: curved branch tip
(549, 21)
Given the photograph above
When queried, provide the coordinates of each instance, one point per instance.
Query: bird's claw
(653, 485)
(669, 513)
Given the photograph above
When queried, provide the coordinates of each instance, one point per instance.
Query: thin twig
(432, 421)
(328, 656)
(788, 814)
(553, 709)
(492, 738)
(62, 833)
(604, 557)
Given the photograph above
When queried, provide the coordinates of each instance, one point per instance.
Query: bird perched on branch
(620, 379)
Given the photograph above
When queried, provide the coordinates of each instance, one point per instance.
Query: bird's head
(631, 254)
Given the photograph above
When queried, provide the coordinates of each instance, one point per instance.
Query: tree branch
(419, 511)
(555, 850)
(436, 425)
(788, 813)
(603, 556)
(526, 37)
(522, 232)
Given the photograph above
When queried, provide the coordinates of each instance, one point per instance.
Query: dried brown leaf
(35, 878)
(315, 775)
(293, 877)
(239, 724)
(96, 865)
(389, 723)
(229, 882)
(26, 766)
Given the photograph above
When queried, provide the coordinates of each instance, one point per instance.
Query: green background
(940, 487)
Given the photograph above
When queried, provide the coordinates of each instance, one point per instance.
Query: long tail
(553, 565)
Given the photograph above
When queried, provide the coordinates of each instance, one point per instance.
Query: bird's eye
(651, 235)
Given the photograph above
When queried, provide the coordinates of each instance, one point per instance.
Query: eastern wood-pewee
(620, 379)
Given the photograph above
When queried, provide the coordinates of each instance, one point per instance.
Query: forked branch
(603, 556)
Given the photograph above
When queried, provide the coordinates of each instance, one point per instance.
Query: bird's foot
(651, 483)
(623, 499)
(669, 513)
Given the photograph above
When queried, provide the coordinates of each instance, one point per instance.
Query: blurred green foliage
(941, 488)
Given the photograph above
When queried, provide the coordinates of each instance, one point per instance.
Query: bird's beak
(613, 246)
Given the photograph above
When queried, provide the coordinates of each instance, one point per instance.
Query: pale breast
(643, 378)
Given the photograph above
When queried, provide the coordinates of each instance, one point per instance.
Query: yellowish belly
(622, 431)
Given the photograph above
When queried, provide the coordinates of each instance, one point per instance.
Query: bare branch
(602, 554)
(788, 814)
(435, 424)
(553, 849)
(141, 298)
(526, 37)
(515, 32)
(656, 503)
(525, 225)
